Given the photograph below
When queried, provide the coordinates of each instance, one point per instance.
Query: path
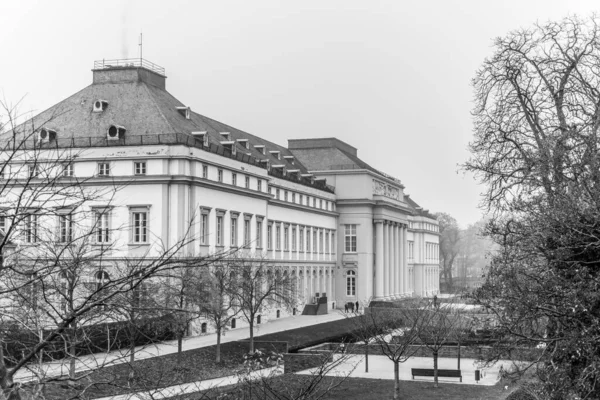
(94, 361)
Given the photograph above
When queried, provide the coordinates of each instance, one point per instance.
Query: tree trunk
(396, 380)
(72, 353)
(218, 358)
(179, 345)
(366, 357)
(435, 368)
(252, 336)
(131, 356)
(8, 389)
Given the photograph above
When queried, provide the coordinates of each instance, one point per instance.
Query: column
(396, 260)
(386, 258)
(392, 242)
(404, 261)
(400, 277)
(378, 259)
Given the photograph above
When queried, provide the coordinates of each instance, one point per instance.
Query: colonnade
(311, 280)
(391, 267)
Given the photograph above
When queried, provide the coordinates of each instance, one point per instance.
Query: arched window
(351, 283)
(203, 327)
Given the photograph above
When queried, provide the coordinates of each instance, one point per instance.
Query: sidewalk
(97, 360)
(380, 367)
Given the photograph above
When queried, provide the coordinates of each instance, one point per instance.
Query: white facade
(356, 239)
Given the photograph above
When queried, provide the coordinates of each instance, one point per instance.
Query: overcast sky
(391, 78)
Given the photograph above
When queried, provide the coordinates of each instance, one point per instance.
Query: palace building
(340, 227)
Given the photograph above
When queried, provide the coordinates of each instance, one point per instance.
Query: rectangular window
(286, 238)
(219, 230)
(220, 175)
(68, 170)
(205, 171)
(139, 168)
(234, 233)
(411, 249)
(259, 185)
(140, 226)
(308, 244)
(247, 182)
(247, 232)
(234, 179)
(301, 199)
(293, 238)
(204, 228)
(270, 236)
(103, 169)
(278, 237)
(301, 239)
(293, 197)
(350, 238)
(321, 203)
(258, 234)
(285, 195)
(277, 194)
(31, 225)
(65, 228)
(314, 240)
(327, 242)
(101, 225)
(34, 170)
(314, 202)
(321, 241)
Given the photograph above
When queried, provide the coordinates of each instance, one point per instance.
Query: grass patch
(360, 389)
(197, 364)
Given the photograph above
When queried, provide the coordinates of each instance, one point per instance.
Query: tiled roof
(144, 109)
(417, 208)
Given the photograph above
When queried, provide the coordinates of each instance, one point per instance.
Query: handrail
(128, 62)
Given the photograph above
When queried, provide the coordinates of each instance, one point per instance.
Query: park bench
(442, 373)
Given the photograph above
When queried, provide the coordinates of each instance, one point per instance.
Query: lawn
(379, 389)
(197, 364)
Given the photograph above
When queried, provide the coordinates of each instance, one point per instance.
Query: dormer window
(275, 153)
(244, 142)
(184, 111)
(289, 159)
(226, 136)
(260, 148)
(46, 135)
(229, 145)
(99, 106)
(267, 162)
(203, 136)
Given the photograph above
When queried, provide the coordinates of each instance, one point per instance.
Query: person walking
(356, 305)
(346, 307)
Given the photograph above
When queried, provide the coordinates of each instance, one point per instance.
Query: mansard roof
(138, 101)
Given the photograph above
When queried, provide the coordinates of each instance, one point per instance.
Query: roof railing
(128, 62)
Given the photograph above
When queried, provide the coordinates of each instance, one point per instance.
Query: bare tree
(52, 244)
(536, 122)
(394, 331)
(450, 245)
(217, 304)
(258, 288)
(442, 324)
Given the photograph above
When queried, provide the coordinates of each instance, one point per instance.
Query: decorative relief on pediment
(383, 189)
(378, 187)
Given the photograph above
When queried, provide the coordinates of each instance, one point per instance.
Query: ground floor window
(203, 327)
(351, 283)
(232, 323)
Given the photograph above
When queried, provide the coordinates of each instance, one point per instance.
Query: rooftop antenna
(141, 48)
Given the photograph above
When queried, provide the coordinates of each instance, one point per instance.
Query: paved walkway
(94, 361)
(380, 367)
